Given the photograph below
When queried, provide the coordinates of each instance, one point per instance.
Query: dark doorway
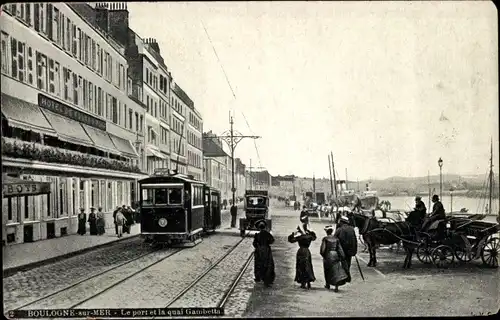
(51, 230)
(28, 233)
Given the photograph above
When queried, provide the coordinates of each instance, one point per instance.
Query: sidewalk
(24, 256)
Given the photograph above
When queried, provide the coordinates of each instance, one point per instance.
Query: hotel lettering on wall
(67, 111)
(24, 189)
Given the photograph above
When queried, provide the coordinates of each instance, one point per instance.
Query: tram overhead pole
(232, 138)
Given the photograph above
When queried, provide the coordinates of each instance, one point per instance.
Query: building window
(109, 200)
(136, 122)
(68, 36)
(99, 101)
(55, 25)
(99, 60)
(91, 97)
(67, 84)
(5, 53)
(130, 118)
(41, 63)
(75, 89)
(94, 55)
(40, 23)
(54, 78)
(141, 125)
(18, 52)
(114, 110)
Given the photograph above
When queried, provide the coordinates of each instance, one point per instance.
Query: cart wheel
(489, 253)
(424, 253)
(462, 255)
(443, 256)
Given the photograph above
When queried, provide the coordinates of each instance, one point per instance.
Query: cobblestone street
(155, 279)
(386, 291)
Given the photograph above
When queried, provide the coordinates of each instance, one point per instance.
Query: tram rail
(73, 285)
(222, 302)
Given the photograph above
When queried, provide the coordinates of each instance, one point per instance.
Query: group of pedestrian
(336, 249)
(124, 218)
(95, 220)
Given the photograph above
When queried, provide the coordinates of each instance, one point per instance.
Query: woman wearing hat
(100, 222)
(263, 256)
(93, 222)
(82, 221)
(333, 255)
(304, 273)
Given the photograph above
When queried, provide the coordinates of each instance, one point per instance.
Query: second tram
(177, 209)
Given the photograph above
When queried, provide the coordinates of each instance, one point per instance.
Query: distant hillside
(467, 185)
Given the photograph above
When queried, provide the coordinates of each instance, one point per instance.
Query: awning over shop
(124, 146)
(24, 115)
(150, 152)
(68, 130)
(15, 187)
(101, 139)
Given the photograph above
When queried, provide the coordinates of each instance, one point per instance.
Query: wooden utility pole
(491, 178)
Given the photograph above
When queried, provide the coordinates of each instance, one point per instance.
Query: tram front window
(175, 196)
(161, 196)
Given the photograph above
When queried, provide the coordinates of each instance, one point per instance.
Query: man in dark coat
(436, 214)
(417, 216)
(114, 219)
(234, 213)
(349, 242)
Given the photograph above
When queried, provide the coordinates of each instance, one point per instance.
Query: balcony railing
(36, 151)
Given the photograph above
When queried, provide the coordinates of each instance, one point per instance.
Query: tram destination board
(115, 313)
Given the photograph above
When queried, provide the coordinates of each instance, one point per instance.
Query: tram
(176, 209)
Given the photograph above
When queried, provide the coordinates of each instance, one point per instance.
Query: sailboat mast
(429, 186)
(346, 183)
(331, 178)
(334, 177)
(491, 177)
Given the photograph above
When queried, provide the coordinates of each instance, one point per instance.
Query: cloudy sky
(387, 87)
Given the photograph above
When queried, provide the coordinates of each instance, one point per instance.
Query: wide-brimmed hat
(328, 228)
(261, 224)
(92, 208)
(82, 209)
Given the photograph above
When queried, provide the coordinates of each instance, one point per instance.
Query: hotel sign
(67, 111)
(25, 189)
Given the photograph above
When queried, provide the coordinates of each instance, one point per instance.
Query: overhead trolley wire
(231, 88)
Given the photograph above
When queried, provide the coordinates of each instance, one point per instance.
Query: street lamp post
(451, 202)
(440, 163)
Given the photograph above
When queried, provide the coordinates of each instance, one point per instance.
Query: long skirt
(93, 227)
(264, 265)
(82, 228)
(304, 269)
(335, 273)
(100, 226)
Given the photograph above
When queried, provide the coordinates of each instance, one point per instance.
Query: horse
(375, 232)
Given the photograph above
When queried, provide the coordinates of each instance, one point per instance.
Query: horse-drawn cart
(465, 239)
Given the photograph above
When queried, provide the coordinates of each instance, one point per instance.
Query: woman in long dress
(93, 222)
(333, 258)
(304, 273)
(263, 256)
(101, 224)
(82, 222)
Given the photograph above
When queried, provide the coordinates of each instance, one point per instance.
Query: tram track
(197, 283)
(53, 300)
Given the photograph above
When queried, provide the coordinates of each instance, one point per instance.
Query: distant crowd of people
(123, 218)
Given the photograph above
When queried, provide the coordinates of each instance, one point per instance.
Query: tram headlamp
(162, 222)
